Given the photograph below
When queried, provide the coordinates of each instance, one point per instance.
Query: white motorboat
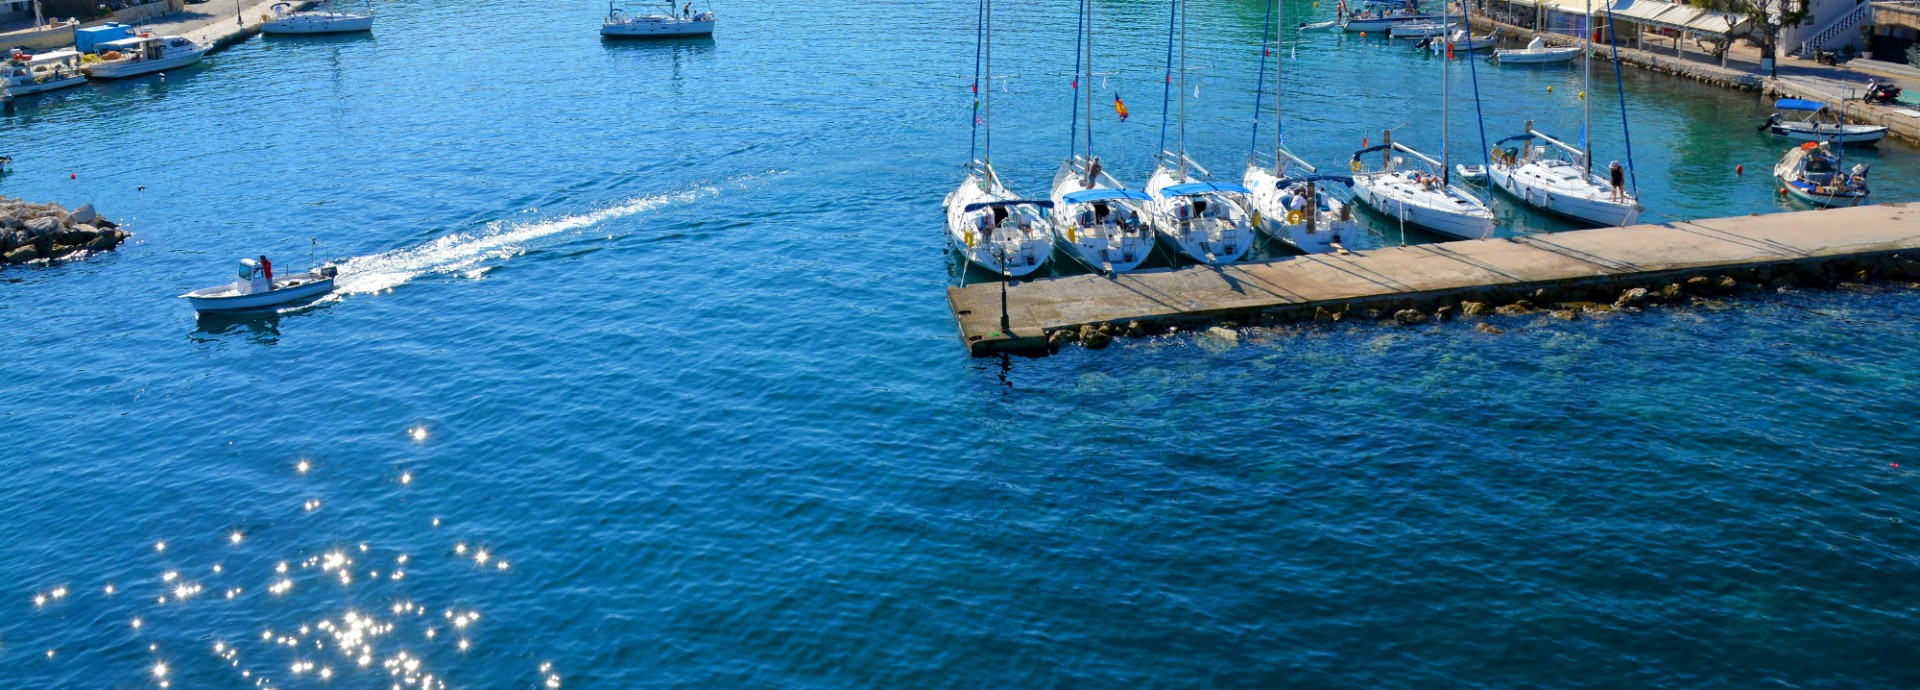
(1095, 218)
(22, 73)
(1207, 221)
(1558, 178)
(1298, 210)
(624, 24)
(1537, 52)
(1462, 42)
(1426, 29)
(1801, 120)
(1812, 173)
(988, 224)
(1471, 173)
(1329, 25)
(326, 20)
(253, 290)
(144, 54)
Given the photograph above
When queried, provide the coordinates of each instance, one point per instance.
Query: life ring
(1355, 165)
(969, 239)
(1295, 217)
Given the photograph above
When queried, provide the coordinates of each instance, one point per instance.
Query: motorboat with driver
(254, 288)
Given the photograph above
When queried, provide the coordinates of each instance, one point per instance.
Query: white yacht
(1095, 218)
(132, 57)
(326, 20)
(1207, 221)
(1537, 52)
(988, 224)
(1295, 209)
(25, 73)
(684, 23)
(1422, 194)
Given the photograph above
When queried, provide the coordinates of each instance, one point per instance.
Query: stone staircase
(1840, 26)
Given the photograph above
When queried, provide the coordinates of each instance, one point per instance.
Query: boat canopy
(1192, 188)
(1370, 149)
(1290, 181)
(1798, 104)
(969, 208)
(1102, 194)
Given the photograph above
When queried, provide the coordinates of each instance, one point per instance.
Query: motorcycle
(1883, 93)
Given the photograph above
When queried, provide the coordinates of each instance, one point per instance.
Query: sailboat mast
(986, 121)
(1446, 112)
(1586, 96)
(1279, 137)
(1090, 181)
(1183, 92)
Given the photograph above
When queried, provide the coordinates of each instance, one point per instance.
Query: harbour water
(642, 355)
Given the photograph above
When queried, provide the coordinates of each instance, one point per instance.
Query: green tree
(1766, 17)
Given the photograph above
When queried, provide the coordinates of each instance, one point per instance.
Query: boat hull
(1856, 135)
(122, 69)
(45, 86)
(226, 303)
(301, 24)
(1541, 56)
(1211, 241)
(1469, 223)
(1384, 23)
(1563, 203)
(1025, 251)
(1103, 247)
(658, 29)
(1806, 193)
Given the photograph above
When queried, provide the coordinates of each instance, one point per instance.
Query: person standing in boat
(266, 267)
(1617, 176)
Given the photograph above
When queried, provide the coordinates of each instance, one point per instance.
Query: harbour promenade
(1431, 279)
(214, 24)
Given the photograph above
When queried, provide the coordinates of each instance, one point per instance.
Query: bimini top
(969, 208)
(1797, 104)
(1102, 194)
(1291, 181)
(1192, 188)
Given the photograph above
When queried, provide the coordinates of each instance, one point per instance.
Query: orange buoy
(1740, 169)
(73, 176)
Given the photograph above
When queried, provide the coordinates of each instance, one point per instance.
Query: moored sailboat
(989, 225)
(1206, 221)
(1295, 209)
(1095, 218)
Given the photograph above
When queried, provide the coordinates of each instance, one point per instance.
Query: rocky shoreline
(32, 232)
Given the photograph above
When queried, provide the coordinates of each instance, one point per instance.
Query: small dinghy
(254, 290)
(1812, 173)
(1803, 120)
(1329, 25)
(1536, 53)
(1471, 173)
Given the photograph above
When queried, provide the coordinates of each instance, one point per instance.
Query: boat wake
(472, 254)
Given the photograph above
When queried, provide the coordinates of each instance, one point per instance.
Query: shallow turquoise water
(662, 328)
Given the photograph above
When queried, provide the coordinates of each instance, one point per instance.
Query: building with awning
(1633, 20)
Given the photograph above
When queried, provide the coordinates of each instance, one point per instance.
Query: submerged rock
(1410, 317)
(1473, 309)
(1226, 336)
(1631, 298)
(1564, 314)
(1488, 328)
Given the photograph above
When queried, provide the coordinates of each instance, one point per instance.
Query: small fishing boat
(1419, 29)
(23, 73)
(1537, 52)
(1462, 42)
(1802, 120)
(623, 24)
(143, 54)
(1812, 173)
(1382, 15)
(253, 290)
(326, 20)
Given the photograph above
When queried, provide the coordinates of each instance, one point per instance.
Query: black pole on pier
(239, 16)
(1005, 324)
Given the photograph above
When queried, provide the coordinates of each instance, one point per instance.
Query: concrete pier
(1569, 266)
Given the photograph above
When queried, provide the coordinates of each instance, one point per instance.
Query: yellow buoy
(1583, 95)
(1549, 89)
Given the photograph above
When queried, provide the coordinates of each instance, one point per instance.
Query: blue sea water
(642, 356)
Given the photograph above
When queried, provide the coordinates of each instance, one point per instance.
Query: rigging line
(1473, 74)
(1073, 127)
(1260, 81)
(1618, 85)
(979, 37)
(1167, 96)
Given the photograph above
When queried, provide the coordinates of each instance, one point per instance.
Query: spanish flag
(1120, 107)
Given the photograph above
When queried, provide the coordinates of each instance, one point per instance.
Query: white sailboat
(1559, 178)
(1095, 218)
(1422, 194)
(1292, 208)
(989, 225)
(1207, 221)
(623, 24)
(326, 20)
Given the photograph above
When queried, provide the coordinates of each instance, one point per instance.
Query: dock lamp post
(239, 16)
(1005, 324)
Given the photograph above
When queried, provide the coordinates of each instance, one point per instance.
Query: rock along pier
(1573, 270)
(29, 232)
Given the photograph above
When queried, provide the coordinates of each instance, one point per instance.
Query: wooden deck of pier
(1380, 277)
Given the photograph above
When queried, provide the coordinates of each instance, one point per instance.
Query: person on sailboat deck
(1093, 172)
(1617, 176)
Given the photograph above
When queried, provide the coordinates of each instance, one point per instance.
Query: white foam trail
(463, 253)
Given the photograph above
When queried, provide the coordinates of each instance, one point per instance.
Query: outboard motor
(1860, 171)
